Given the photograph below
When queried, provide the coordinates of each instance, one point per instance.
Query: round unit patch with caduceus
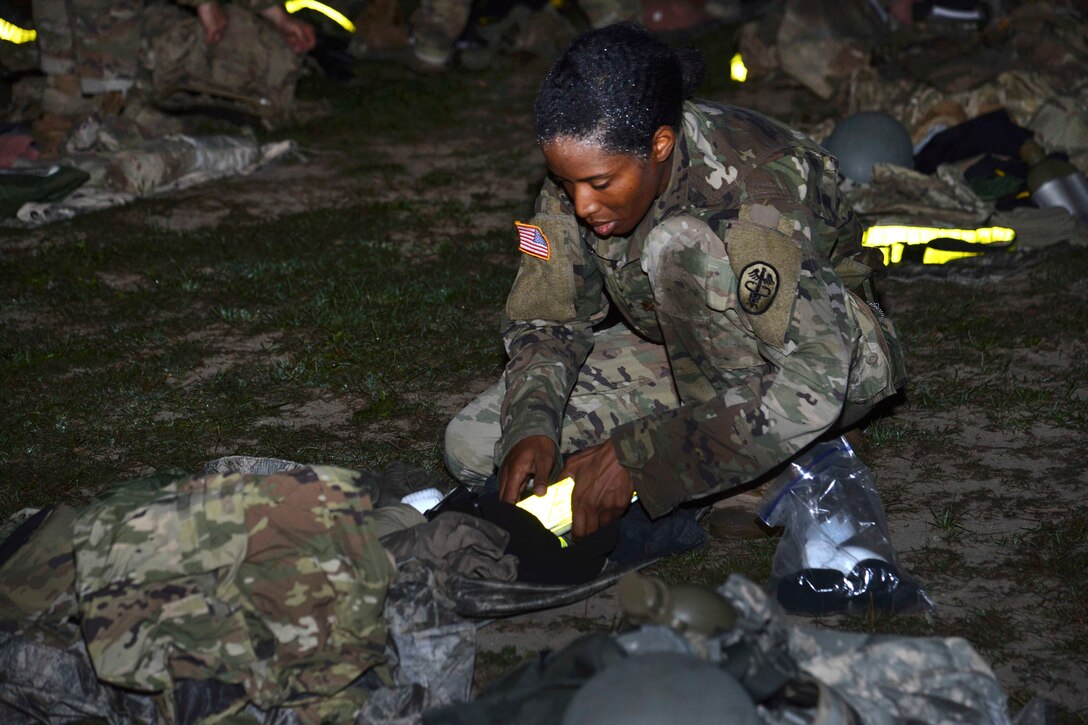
(756, 287)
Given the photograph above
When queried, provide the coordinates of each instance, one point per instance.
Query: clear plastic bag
(835, 555)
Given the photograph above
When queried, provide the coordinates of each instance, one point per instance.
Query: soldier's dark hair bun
(614, 87)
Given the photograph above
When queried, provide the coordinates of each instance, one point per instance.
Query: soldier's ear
(662, 144)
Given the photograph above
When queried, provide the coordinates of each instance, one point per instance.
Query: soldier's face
(610, 192)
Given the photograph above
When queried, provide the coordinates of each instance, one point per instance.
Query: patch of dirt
(978, 487)
(122, 282)
(274, 191)
(227, 351)
(323, 413)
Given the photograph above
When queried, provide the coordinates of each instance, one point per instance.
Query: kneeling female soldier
(716, 233)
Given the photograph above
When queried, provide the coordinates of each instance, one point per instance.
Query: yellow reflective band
(737, 70)
(293, 6)
(892, 240)
(553, 508)
(14, 34)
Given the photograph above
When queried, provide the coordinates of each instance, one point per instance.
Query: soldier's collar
(675, 195)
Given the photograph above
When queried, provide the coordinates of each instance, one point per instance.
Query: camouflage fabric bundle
(272, 585)
(160, 48)
(251, 72)
(796, 674)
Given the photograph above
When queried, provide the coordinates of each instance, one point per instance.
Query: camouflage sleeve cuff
(533, 406)
(512, 438)
(693, 451)
(654, 477)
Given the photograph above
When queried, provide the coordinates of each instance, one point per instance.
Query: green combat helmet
(871, 137)
(684, 607)
(661, 687)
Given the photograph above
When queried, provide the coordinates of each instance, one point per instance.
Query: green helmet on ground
(867, 138)
(661, 687)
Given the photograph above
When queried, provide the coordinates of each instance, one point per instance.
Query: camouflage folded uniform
(110, 46)
(250, 71)
(274, 584)
(731, 277)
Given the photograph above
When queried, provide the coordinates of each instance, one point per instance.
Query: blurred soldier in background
(437, 24)
(96, 53)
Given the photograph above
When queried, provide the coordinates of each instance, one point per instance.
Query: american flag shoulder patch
(532, 241)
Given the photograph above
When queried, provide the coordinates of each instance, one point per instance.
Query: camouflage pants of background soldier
(624, 378)
(160, 48)
(436, 24)
(96, 40)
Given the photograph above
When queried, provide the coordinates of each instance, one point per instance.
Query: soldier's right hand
(532, 457)
(214, 20)
(299, 36)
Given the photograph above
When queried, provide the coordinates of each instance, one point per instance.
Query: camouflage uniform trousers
(250, 70)
(98, 40)
(624, 378)
(436, 24)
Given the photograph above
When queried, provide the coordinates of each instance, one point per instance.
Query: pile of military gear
(108, 161)
(284, 592)
(699, 656)
(293, 593)
(250, 75)
(928, 117)
(181, 599)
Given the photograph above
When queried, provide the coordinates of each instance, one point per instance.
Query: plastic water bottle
(1053, 181)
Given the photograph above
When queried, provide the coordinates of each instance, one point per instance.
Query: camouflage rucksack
(251, 72)
(265, 590)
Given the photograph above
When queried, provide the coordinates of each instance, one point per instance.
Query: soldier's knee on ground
(469, 454)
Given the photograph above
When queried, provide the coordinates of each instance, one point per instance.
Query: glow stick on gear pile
(941, 247)
(553, 509)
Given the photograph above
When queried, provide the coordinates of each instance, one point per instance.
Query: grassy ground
(108, 364)
(126, 346)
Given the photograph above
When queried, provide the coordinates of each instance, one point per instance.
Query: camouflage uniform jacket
(770, 380)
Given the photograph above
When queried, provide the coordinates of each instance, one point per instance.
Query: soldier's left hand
(602, 488)
(298, 35)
